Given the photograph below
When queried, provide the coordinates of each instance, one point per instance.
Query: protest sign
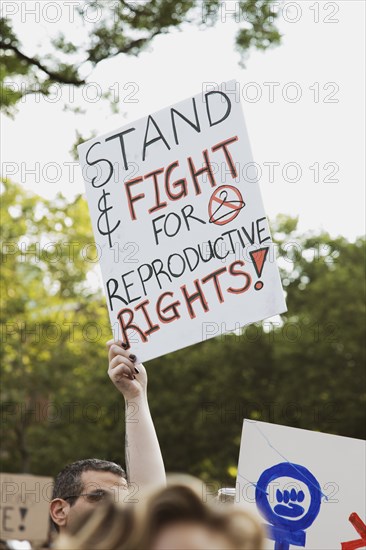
(179, 224)
(308, 488)
(24, 507)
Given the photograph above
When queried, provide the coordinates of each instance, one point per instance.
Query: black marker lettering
(228, 108)
(153, 140)
(120, 135)
(94, 162)
(196, 125)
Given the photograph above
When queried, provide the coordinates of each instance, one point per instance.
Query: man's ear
(59, 510)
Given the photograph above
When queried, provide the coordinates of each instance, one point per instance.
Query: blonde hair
(181, 502)
(136, 527)
(108, 527)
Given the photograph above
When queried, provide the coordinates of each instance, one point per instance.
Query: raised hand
(128, 377)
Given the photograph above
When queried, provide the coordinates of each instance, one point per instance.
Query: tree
(50, 315)
(58, 405)
(121, 27)
(307, 371)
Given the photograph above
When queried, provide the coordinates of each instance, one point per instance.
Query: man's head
(81, 486)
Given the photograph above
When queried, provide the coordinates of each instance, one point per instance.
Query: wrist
(139, 398)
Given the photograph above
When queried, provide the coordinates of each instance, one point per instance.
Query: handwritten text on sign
(176, 190)
(308, 488)
(24, 507)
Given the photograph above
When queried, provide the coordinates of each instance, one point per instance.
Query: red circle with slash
(225, 204)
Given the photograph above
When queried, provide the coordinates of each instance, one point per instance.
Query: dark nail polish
(137, 370)
(132, 357)
(124, 345)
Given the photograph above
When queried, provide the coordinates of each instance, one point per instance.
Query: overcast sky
(303, 104)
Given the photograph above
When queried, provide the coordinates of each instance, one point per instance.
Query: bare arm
(144, 462)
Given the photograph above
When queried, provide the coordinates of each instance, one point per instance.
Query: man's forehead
(100, 479)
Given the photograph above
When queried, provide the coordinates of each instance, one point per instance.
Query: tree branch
(138, 43)
(137, 11)
(57, 77)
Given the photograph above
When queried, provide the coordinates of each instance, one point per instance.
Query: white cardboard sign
(24, 507)
(183, 241)
(308, 488)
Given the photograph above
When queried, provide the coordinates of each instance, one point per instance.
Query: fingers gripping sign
(129, 377)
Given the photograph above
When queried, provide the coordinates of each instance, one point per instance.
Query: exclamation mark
(258, 258)
(23, 513)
